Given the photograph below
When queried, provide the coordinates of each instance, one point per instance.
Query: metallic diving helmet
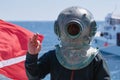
(75, 27)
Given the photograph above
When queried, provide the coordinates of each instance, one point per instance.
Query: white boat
(107, 37)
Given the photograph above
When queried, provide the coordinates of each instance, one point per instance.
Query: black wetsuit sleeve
(101, 69)
(36, 69)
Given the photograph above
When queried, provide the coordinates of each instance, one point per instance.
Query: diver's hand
(34, 45)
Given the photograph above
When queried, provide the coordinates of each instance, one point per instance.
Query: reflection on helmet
(75, 27)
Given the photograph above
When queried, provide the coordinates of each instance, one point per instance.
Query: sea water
(50, 40)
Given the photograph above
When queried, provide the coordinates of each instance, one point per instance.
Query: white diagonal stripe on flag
(12, 61)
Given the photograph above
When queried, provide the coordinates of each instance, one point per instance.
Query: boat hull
(111, 50)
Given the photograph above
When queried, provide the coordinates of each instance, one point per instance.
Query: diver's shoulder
(98, 57)
(50, 53)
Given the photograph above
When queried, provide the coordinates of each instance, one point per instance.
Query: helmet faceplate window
(73, 29)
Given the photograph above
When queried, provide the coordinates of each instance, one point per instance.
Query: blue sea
(50, 40)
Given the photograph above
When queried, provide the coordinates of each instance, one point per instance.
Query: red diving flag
(13, 47)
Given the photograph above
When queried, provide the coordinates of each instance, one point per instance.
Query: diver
(73, 58)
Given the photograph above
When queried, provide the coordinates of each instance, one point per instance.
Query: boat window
(118, 39)
(101, 34)
(114, 21)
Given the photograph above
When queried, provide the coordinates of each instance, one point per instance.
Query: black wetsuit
(37, 69)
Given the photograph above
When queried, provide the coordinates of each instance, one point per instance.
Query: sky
(47, 10)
